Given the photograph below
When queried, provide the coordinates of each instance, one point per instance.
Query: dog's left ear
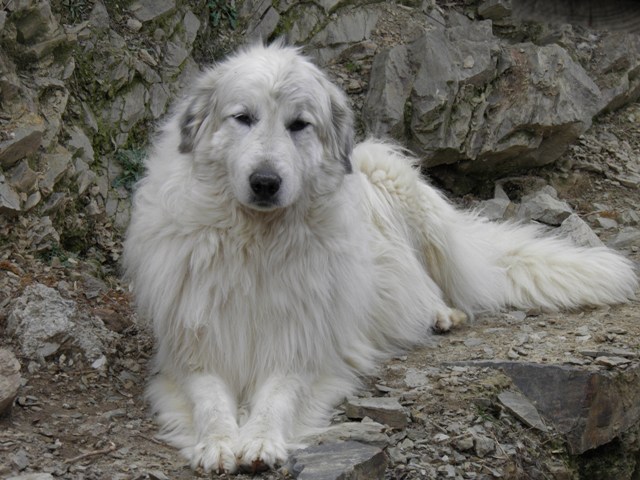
(342, 133)
(198, 107)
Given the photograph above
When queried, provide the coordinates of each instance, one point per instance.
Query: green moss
(132, 162)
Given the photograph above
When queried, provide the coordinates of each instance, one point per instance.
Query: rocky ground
(84, 419)
(516, 395)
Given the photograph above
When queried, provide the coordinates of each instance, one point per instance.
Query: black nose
(265, 183)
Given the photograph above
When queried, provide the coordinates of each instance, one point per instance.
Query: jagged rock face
(459, 94)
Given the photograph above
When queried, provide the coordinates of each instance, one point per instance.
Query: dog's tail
(482, 265)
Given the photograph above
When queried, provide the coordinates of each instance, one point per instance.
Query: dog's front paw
(448, 318)
(213, 454)
(261, 452)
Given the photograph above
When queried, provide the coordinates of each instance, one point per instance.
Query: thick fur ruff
(279, 264)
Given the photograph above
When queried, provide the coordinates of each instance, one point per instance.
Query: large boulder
(460, 95)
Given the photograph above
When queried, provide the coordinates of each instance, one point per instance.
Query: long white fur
(267, 317)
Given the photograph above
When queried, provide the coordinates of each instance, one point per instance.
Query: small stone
(441, 437)
(575, 361)
(611, 362)
(627, 238)
(522, 409)
(518, 315)
(579, 232)
(473, 342)
(20, 459)
(386, 410)
(543, 207)
(609, 352)
(483, 445)
(465, 443)
(607, 223)
(134, 24)
(333, 461)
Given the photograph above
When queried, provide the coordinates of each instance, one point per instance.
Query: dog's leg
(264, 438)
(214, 420)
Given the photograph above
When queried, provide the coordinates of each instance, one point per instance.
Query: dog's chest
(285, 300)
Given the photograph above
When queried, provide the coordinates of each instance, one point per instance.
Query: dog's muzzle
(265, 185)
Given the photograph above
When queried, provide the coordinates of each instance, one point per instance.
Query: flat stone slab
(589, 407)
(338, 461)
(370, 433)
(522, 409)
(385, 410)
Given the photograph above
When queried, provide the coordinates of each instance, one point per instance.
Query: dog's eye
(297, 125)
(244, 119)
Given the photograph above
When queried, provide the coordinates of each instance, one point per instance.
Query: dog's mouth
(263, 205)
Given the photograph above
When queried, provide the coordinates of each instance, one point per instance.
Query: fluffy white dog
(278, 263)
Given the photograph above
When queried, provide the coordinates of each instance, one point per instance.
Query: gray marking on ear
(342, 126)
(200, 106)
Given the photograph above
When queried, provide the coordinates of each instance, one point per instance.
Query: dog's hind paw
(257, 454)
(214, 454)
(448, 319)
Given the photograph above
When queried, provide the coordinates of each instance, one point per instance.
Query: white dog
(278, 263)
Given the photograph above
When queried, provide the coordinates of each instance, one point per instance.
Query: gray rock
(32, 201)
(628, 237)
(494, 208)
(175, 54)
(57, 164)
(44, 322)
(159, 96)
(22, 178)
(352, 27)
(415, 378)
(607, 223)
(615, 69)
(522, 409)
(9, 380)
(483, 445)
(478, 102)
(338, 461)
(25, 139)
(9, 200)
(494, 9)
(579, 232)
(35, 24)
(20, 459)
(370, 433)
(134, 24)
(133, 106)
(55, 203)
(386, 410)
(42, 236)
(611, 361)
(151, 10)
(307, 21)
(391, 83)
(541, 206)
(260, 17)
(79, 144)
(589, 408)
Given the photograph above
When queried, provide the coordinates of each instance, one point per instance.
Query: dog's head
(279, 128)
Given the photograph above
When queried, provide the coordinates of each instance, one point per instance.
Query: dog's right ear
(195, 116)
